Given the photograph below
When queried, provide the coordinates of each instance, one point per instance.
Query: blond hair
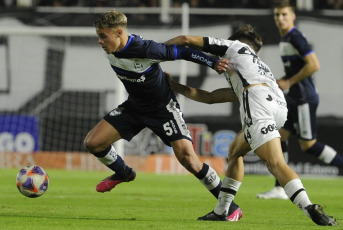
(110, 19)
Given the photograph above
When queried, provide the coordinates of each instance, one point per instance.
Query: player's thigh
(126, 123)
(284, 134)
(168, 124)
(271, 152)
(101, 136)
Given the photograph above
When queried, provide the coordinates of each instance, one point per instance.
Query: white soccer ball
(32, 181)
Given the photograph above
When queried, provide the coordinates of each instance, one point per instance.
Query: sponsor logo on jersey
(281, 103)
(138, 66)
(116, 112)
(269, 128)
(202, 59)
(263, 69)
(141, 79)
(287, 64)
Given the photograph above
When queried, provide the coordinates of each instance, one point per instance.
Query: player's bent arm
(217, 96)
(312, 65)
(222, 95)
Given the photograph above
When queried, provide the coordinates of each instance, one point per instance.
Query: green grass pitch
(154, 202)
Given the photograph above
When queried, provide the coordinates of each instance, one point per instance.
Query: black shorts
(167, 123)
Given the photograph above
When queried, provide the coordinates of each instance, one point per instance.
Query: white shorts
(263, 112)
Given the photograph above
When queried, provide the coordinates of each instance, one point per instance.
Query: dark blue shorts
(301, 120)
(167, 123)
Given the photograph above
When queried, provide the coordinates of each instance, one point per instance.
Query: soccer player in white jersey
(263, 111)
(300, 62)
(150, 103)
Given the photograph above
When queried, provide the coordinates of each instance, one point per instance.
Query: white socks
(226, 195)
(327, 155)
(297, 193)
(211, 179)
(110, 157)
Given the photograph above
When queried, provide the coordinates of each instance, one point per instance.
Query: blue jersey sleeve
(300, 43)
(139, 48)
(161, 51)
(195, 56)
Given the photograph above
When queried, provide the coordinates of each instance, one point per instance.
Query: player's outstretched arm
(183, 40)
(217, 96)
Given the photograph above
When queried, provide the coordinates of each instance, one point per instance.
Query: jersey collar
(127, 44)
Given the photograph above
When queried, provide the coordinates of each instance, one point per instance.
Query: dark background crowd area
(261, 4)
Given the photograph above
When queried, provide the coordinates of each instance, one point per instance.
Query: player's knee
(231, 155)
(88, 144)
(274, 165)
(235, 153)
(92, 145)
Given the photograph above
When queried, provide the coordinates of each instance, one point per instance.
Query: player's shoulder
(218, 41)
(296, 38)
(140, 41)
(136, 38)
(296, 34)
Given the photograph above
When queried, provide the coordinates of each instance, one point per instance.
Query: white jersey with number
(262, 109)
(246, 67)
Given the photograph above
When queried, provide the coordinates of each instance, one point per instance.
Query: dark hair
(248, 35)
(284, 3)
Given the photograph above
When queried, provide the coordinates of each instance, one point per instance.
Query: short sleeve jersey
(247, 67)
(293, 48)
(137, 66)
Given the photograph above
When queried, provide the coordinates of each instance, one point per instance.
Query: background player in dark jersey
(300, 62)
(151, 103)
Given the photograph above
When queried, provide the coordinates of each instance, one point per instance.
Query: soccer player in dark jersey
(150, 103)
(300, 63)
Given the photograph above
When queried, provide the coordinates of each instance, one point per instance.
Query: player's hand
(284, 84)
(221, 66)
(169, 79)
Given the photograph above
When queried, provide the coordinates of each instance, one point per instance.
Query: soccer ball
(32, 181)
